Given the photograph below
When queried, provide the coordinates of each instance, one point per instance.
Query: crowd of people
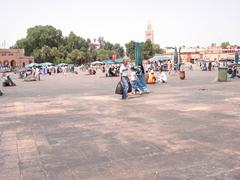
(110, 70)
(134, 79)
(136, 82)
(206, 66)
(35, 72)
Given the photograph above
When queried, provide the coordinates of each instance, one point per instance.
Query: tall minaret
(149, 32)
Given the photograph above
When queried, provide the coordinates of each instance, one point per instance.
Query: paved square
(75, 127)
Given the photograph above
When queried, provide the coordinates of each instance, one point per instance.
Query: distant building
(212, 53)
(149, 35)
(14, 58)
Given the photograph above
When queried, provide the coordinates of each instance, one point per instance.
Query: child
(134, 81)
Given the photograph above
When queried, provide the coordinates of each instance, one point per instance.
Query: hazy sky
(175, 22)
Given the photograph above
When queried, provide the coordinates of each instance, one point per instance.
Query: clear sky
(175, 22)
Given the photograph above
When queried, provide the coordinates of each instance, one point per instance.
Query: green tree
(119, 50)
(82, 57)
(46, 43)
(92, 47)
(224, 45)
(69, 60)
(55, 54)
(40, 36)
(77, 57)
(37, 55)
(157, 49)
(46, 54)
(147, 49)
(20, 44)
(130, 49)
(101, 42)
(60, 60)
(75, 42)
(63, 51)
(108, 46)
(93, 55)
(103, 54)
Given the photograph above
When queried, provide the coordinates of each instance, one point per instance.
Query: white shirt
(124, 70)
(133, 76)
(163, 76)
(37, 71)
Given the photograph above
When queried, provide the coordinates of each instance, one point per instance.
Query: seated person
(162, 77)
(151, 78)
(7, 81)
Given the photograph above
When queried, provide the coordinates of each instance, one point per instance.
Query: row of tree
(47, 44)
(148, 49)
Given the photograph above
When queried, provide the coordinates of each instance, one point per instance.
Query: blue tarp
(108, 61)
(117, 61)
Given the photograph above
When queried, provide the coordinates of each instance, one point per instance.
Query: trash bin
(222, 74)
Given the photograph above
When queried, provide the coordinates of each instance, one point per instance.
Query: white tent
(96, 63)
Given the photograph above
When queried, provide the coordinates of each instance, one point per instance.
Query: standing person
(103, 69)
(64, 68)
(37, 74)
(45, 70)
(124, 78)
(142, 79)
(134, 81)
(148, 66)
(210, 66)
(169, 67)
(34, 71)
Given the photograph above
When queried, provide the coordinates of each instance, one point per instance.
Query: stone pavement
(74, 127)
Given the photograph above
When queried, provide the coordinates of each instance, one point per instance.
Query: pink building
(14, 58)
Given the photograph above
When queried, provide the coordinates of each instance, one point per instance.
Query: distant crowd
(134, 79)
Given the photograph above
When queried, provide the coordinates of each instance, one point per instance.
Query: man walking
(124, 78)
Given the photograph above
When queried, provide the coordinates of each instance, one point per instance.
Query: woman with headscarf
(142, 79)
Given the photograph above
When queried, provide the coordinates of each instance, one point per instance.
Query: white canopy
(96, 63)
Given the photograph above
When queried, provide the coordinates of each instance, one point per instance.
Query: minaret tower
(149, 32)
